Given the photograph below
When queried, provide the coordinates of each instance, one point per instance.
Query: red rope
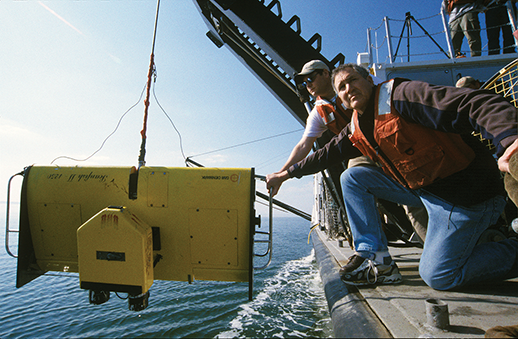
(146, 100)
(150, 72)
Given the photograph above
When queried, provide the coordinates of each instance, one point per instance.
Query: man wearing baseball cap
(316, 77)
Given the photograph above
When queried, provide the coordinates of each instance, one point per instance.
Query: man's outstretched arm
(299, 152)
(335, 151)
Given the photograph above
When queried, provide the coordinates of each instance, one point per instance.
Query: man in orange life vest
(328, 112)
(420, 135)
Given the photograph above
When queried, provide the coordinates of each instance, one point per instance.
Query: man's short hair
(467, 81)
(360, 69)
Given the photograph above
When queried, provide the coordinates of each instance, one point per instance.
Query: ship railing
(374, 46)
(269, 233)
(269, 241)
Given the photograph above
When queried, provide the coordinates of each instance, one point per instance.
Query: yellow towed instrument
(121, 228)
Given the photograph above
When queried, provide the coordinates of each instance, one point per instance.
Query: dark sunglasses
(311, 78)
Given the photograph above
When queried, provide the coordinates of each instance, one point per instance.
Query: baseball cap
(312, 66)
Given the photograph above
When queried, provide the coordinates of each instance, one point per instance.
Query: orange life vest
(336, 117)
(412, 154)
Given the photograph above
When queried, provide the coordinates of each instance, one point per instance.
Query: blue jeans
(451, 256)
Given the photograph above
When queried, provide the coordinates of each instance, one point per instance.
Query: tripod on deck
(408, 19)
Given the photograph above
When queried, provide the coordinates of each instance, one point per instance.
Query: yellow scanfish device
(121, 229)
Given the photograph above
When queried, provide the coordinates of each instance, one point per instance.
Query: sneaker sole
(389, 280)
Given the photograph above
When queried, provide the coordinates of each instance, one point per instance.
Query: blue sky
(70, 69)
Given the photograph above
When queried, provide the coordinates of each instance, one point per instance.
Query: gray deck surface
(401, 308)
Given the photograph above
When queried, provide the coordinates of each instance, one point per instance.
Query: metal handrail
(284, 206)
(7, 229)
(269, 233)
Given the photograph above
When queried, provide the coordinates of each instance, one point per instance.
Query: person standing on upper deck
(497, 19)
(464, 22)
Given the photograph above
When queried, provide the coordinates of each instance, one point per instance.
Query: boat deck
(399, 311)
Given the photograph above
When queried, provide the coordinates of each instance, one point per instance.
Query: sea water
(288, 301)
